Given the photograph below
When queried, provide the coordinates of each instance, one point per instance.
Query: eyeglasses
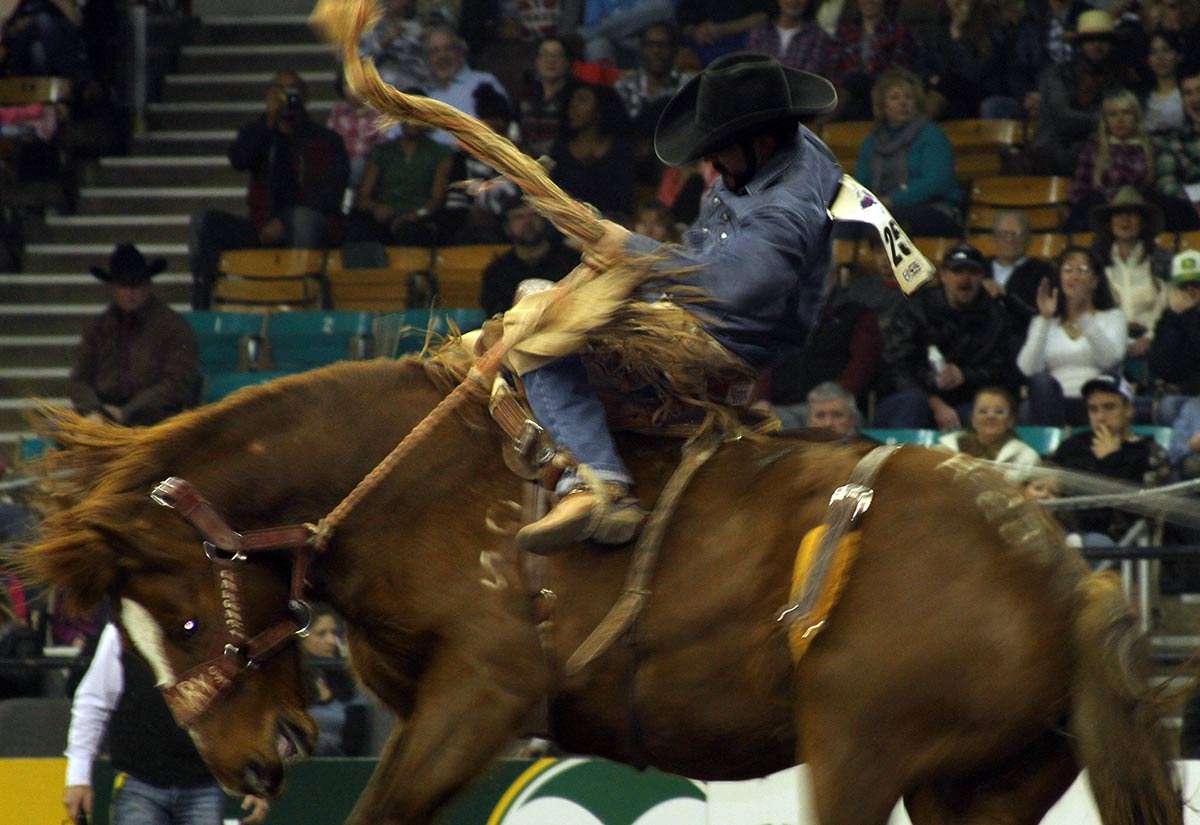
(1075, 269)
(1000, 411)
(1008, 234)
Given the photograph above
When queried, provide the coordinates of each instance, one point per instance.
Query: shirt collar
(773, 169)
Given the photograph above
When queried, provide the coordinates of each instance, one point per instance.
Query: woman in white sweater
(1076, 335)
(992, 434)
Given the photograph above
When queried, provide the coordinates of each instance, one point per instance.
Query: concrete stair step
(105, 228)
(259, 57)
(13, 412)
(75, 288)
(37, 350)
(167, 170)
(228, 86)
(229, 30)
(161, 199)
(183, 142)
(33, 382)
(218, 115)
(79, 257)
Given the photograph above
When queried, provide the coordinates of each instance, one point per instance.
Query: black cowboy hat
(128, 267)
(733, 93)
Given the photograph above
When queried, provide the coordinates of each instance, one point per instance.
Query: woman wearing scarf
(908, 161)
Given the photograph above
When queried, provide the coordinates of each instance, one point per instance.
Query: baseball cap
(1108, 383)
(1185, 267)
(963, 256)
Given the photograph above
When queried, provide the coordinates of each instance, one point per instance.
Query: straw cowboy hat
(128, 267)
(732, 94)
(1127, 199)
(1094, 25)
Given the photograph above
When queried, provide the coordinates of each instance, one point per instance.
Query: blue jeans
(565, 403)
(139, 803)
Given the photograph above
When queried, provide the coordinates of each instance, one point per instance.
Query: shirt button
(706, 230)
(724, 235)
(725, 217)
(716, 200)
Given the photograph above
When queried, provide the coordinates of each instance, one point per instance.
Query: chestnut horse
(972, 666)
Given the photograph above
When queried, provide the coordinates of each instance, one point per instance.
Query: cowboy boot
(580, 515)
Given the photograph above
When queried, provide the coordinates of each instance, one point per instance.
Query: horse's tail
(1114, 711)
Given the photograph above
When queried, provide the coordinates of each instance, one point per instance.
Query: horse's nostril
(262, 780)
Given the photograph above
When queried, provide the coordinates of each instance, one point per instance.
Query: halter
(236, 651)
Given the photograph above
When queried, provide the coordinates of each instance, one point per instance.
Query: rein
(236, 651)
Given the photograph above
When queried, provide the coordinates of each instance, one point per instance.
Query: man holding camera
(298, 172)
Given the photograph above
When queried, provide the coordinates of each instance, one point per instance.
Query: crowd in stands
(1101, 337)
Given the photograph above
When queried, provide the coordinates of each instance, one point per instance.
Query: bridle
(235, 651)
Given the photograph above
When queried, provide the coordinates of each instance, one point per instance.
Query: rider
(761, 248)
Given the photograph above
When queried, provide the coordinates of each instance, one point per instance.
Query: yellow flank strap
(806, 628)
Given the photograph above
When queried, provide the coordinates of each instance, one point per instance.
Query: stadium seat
(1043, 439)
(920, 438)
(934, 248)
(1044, 199)
(31, 447)
(303, 340)
(1167, 240)
(459, 272)
(844, 137)
(1188, 240)
(264, 279)
(845, 250)
(465, 319)
(403, 333)
(227, 341)
(375, 289)
(220, 384)
(1160, 434)
(980, 145)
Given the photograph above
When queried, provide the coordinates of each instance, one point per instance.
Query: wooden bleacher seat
(227, 341)
(1045, 245)
(844, 137)
(1188, 240)
(934, 248)
(1084, 239)
(845, 251)
(459, 271)
(1021, 191)
(980, 217)
(374, 289)
(1167, 240)
(264, 279)
(980, 144)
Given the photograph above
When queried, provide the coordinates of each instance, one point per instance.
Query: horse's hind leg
(1018, 792)
(853, 785)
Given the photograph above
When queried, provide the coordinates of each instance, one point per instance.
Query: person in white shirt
(160, 777)
(1076, 335)
(451, 80)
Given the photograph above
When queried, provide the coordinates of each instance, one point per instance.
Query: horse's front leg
(467, 710)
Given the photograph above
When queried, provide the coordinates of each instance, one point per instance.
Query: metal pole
(138, 94)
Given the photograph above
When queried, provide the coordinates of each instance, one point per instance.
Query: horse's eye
(187, 630)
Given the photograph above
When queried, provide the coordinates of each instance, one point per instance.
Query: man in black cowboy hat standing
(760, 249)
(137, 362)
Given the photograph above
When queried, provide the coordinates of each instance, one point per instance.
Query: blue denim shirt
(762, 254)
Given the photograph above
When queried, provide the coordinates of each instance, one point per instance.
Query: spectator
(1181, 17)
(476, 196)
(1012, 276)
(794, 38)
(611, 27)
(43, 38)
(716, 27)
(1070, 95)
(1177, 157)
(1163, 102)
(17, 641)
(1137, 269)
(646, 89)
(593, 160)
(845, 346)
(1118, 155)
(357, 124)
(160, 775)
(830, 406)
(137, 362)
(682, 189)
(992, 434)
(1111, 449)
(955, 57)
(1175, 350)
(536, 252)
(1043, 486)
(1077, 334)
(907, 161)
(395, 44)
(870, 282)
(403, 189)
(942, 346)
(654, 220)
(451, 80)
(543, 102)
(333, 701)
(298, 172)
(867, 44)
(1030, 43)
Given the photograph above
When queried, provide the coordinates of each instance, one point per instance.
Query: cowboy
(760, 249)
(138, 361)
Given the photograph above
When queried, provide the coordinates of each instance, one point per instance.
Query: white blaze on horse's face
(147, 637)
